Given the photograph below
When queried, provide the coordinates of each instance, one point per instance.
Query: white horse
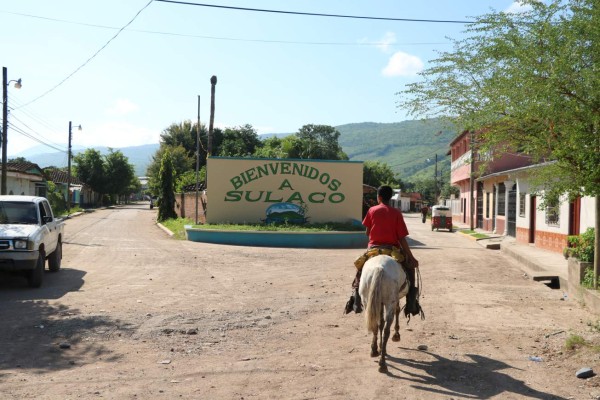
(383, 283)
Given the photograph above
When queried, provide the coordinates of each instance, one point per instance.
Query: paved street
(145, 316)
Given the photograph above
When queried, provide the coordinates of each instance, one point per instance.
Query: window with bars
(553, 213)
(501, 199)
(522, 199)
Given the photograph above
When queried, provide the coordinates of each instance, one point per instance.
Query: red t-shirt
(386, 225)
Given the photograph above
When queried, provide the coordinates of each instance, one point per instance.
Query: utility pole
(435, 195)
(197, 157)
(4, 126)
(472, 181)
(5, 83)
(213, 83)
(69, 173)
(69, 170)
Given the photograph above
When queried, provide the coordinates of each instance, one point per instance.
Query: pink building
(504, 202)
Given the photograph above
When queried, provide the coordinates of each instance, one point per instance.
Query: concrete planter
(315, 240)
(590, 298)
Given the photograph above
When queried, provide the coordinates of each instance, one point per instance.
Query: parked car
(29, 235)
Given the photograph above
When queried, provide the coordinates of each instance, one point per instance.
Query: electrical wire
(32, 137)
(91, 58)
(233, 38)
(30, 114)
(315, 14)
(42, 138)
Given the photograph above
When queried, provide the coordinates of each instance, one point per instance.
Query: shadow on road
(479, 378)
(34, 325)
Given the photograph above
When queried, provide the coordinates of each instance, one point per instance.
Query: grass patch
(574, 342)
(176, 225)
(325, 227)
(474, 234)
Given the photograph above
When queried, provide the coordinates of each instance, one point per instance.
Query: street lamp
(69, 169)
(5, 83)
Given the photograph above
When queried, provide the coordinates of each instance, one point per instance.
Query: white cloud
(517, 7)
(402, 64)
(122, 107)
(385, 43)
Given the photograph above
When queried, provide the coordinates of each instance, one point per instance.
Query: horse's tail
(374, 305)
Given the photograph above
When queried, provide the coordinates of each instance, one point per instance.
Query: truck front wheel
(36, 275)
(55, 258)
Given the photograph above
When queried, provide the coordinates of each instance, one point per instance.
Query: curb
(165, 229)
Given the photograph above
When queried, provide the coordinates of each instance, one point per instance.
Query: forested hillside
(408, 147)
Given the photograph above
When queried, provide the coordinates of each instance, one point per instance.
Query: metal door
(480, 205)
(511, 217)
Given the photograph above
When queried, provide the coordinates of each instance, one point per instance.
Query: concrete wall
(589, 298)
(588, 205)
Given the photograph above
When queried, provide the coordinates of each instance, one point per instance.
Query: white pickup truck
(29, 234)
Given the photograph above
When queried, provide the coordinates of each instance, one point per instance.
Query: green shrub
(581, 246)
(588, 278)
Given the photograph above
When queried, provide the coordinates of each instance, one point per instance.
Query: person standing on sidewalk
(387, 232)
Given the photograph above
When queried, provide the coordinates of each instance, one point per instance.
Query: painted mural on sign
(243, 190)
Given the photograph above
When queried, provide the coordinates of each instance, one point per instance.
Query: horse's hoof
(383, 369)
(374, 354)
(396, 337)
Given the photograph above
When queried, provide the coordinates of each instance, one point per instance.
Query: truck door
(52, 237)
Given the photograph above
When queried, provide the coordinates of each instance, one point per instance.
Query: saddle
(393, 252)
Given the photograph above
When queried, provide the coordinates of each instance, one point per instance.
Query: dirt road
(143, 316)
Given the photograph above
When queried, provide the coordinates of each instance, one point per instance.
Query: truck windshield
(15, 212)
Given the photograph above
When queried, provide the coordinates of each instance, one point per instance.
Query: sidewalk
(540, 265)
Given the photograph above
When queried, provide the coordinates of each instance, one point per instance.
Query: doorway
(532, 213)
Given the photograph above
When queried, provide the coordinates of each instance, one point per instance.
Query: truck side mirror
(46, 219)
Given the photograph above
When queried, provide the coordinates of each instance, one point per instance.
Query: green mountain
(139, 156)
(408, 147)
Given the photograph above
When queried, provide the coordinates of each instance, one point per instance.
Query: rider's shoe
(349, 305)
(412, 303)
(357, 303)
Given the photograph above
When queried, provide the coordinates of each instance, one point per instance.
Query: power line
(46, 141)
(233, 38)
(32, 137)
(315, 14)
(91, 58)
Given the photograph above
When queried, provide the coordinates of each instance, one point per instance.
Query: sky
(276, 72)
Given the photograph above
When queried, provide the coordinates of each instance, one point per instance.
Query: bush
(588, 279)
(581, 246)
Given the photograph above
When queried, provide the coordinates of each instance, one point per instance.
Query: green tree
(376, 173)
(121, 172)
(527, 81)
(180, 160)
(89, 168)
(271, 148)
(188, 178)
(180, 140)
(239, 142)
(320, 142)
(166, 207)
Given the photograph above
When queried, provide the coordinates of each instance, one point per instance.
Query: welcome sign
(255, 190)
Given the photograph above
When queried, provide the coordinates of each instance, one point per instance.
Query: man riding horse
(387, 234)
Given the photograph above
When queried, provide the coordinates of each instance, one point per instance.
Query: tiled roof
(27, 167)
(58, 176)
